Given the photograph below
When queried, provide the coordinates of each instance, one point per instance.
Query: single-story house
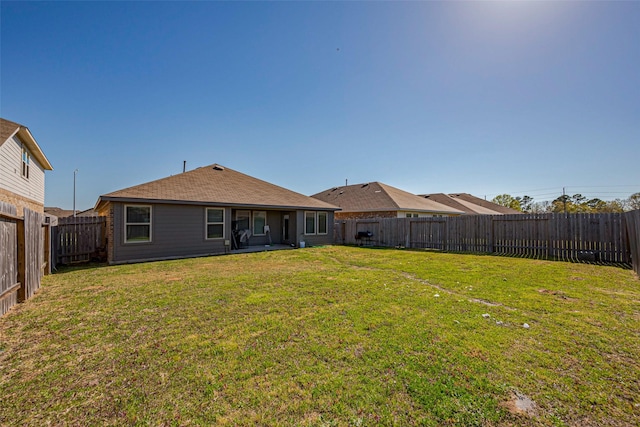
(469, 204)
(206, 211)
(64, 213)
(378, 200)
(22, 167)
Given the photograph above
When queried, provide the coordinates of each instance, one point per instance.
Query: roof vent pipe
(184, 166)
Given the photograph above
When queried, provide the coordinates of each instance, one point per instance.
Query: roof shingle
(469, 204)
(216, 184)
(376, 196)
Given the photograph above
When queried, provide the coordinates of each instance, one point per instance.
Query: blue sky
(478, 97)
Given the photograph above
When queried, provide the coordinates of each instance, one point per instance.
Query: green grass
(326, 336)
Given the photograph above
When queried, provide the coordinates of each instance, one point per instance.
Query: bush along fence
(603, 238)
(78, 239)
(24, 253)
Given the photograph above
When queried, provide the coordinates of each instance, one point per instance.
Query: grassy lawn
(326, 336)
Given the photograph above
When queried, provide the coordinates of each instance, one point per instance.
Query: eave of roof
(9, 129)
(102, 200)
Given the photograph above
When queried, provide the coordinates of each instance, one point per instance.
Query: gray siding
(314, 239)
(274, 221)
(176, 231)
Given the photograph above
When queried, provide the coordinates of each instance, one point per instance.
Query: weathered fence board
(571, 237)
(78, 239)
(8, 257)
(33, 253)
(22, 261)
(632, 222)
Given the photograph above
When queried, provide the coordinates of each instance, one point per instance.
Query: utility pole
(75, 172)
(564, 199)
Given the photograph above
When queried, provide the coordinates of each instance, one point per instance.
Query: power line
(593, 191)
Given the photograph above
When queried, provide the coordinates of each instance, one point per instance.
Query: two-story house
(22, 167)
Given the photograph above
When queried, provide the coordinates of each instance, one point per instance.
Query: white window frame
(252, 221)
(25, 161)
(207, 224)
(315, 223)
(127, 223)
(326, 223)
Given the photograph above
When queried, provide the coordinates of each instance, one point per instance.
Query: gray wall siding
(314, 239)
(179, 231)
(274, 221)
(176, 231)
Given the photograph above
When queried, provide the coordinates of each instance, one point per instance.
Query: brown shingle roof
(9, 128)
(216, 184)
(471, 200)
(445, 199)
(59, 212)
(376, 196)
(469, 204)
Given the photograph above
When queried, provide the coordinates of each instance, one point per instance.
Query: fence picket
(607, 238)
(78, 239)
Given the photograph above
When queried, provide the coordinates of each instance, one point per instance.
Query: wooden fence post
(47, 249)
(22, 264)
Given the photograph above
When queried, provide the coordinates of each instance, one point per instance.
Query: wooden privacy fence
(572, 237)
(632, 220)
(78, 239)
(23, 255)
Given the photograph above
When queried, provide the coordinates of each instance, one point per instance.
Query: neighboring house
(470, 204)
(206, 211)
(378, 200)
(87, 212)
(64, 213)
(58, 212)
(22, 166)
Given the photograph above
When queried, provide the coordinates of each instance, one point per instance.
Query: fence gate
(78, 239)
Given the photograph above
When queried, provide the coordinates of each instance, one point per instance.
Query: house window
(26, 159)
(259, 221)
(309, 223)
(242, 220)
(215, 223)
(322, 222)
(137, 224)
(408, 215)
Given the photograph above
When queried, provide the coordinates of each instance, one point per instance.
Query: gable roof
(63, 213)
(58, 212)
(8, 129)
(471, 200)
(376, 196)
(469, 204)
(215, 185)
(445, 199)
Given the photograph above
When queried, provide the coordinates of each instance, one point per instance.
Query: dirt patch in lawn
(521, 404)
